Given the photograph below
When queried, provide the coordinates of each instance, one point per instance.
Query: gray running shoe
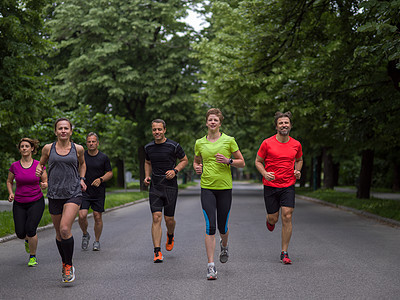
(223, 255)
(96, 246)
(68, 274)
(211, 273)
(85, 241)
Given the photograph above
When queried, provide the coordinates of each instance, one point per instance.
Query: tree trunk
(396, 177)
(329, 172)
(120, 173)
(304, 171)
(336, 169)
(141, 156)
(316, 173)
(364, 185)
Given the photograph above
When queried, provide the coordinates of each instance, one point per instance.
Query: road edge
(386, 221)
(42, 228)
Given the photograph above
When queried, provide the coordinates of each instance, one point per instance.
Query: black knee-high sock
(68, 248)
(60, 250)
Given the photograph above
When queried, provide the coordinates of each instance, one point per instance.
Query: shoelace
(68, 269)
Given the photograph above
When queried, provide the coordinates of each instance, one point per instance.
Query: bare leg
(98, 224)
(83, 222)
(156, 228)
(170, 223)
(287, 213)
(210, 247)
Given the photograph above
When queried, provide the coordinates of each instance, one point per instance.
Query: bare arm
(182, 164)
(10, 180)
(43, 160)
(197, 164)
(147, 172)
(259, 163)
(43, 180)
(82, 165)
(297, 167)
(106, 177)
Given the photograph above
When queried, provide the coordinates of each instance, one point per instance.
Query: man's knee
(97, 217)
(83, 214)
(273, 218)
(157, 217)
(169, 220)
(287, 215)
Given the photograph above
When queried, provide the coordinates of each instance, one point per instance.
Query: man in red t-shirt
(279, 160)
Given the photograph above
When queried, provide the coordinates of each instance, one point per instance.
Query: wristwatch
(176, 171)
(83, 178)
(101, 179)
(230, 161)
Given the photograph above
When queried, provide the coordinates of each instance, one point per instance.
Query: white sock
(211, 264)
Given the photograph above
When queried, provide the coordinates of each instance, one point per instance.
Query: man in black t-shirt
(98, 171)
(160, 172)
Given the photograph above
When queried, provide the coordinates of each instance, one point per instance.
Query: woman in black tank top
(66, 171)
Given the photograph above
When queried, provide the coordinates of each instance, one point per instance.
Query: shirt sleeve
(299, 151)
(107, 164)
(11, 169)
(179, 152)
(197, 148)
(234, 145)
(262, 152)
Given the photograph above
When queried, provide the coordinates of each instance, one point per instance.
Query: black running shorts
(56, 206)
(275, 198)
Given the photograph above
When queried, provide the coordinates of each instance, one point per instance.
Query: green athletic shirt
(216, 176)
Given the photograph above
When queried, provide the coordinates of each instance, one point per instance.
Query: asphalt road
(336, 255)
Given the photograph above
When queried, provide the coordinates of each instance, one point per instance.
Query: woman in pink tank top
(28, 199)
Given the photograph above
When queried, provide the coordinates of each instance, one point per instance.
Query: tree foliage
(316, 58)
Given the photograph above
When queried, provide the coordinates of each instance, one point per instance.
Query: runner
(66, 181)
(279, 160)
(98, 171)
(28, 203)
(161, 174)
(213, 161)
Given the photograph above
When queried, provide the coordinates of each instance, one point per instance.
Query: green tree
(23, 87)
(314, 58)
(128, 58)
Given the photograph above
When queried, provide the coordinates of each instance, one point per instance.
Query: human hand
(43, 185)
(269, 176)
(96, 182)
(297, 174)
(199, 169)
(39, 170)
(83, 185)
(11, 197)
(147, 181)
(170, 174)
(222, 159)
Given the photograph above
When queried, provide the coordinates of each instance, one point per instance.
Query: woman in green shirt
(213, 161)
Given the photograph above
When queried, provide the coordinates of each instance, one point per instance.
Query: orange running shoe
(170, 243)
(158, 258)
(69, 273)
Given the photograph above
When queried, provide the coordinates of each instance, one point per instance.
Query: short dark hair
(159, 121)
(92, 134)
(279, 115)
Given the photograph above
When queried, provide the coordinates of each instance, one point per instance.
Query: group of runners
(76, 177)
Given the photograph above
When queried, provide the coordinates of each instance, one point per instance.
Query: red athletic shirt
(280, 158)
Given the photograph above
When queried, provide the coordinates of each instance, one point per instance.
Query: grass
(382, 207)
(112, 200)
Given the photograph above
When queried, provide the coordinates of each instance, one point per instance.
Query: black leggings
(216, 206)
(27, 217)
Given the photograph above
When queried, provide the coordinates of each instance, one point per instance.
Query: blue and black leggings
(216, 206)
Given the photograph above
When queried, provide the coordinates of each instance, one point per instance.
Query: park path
(336, 255)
